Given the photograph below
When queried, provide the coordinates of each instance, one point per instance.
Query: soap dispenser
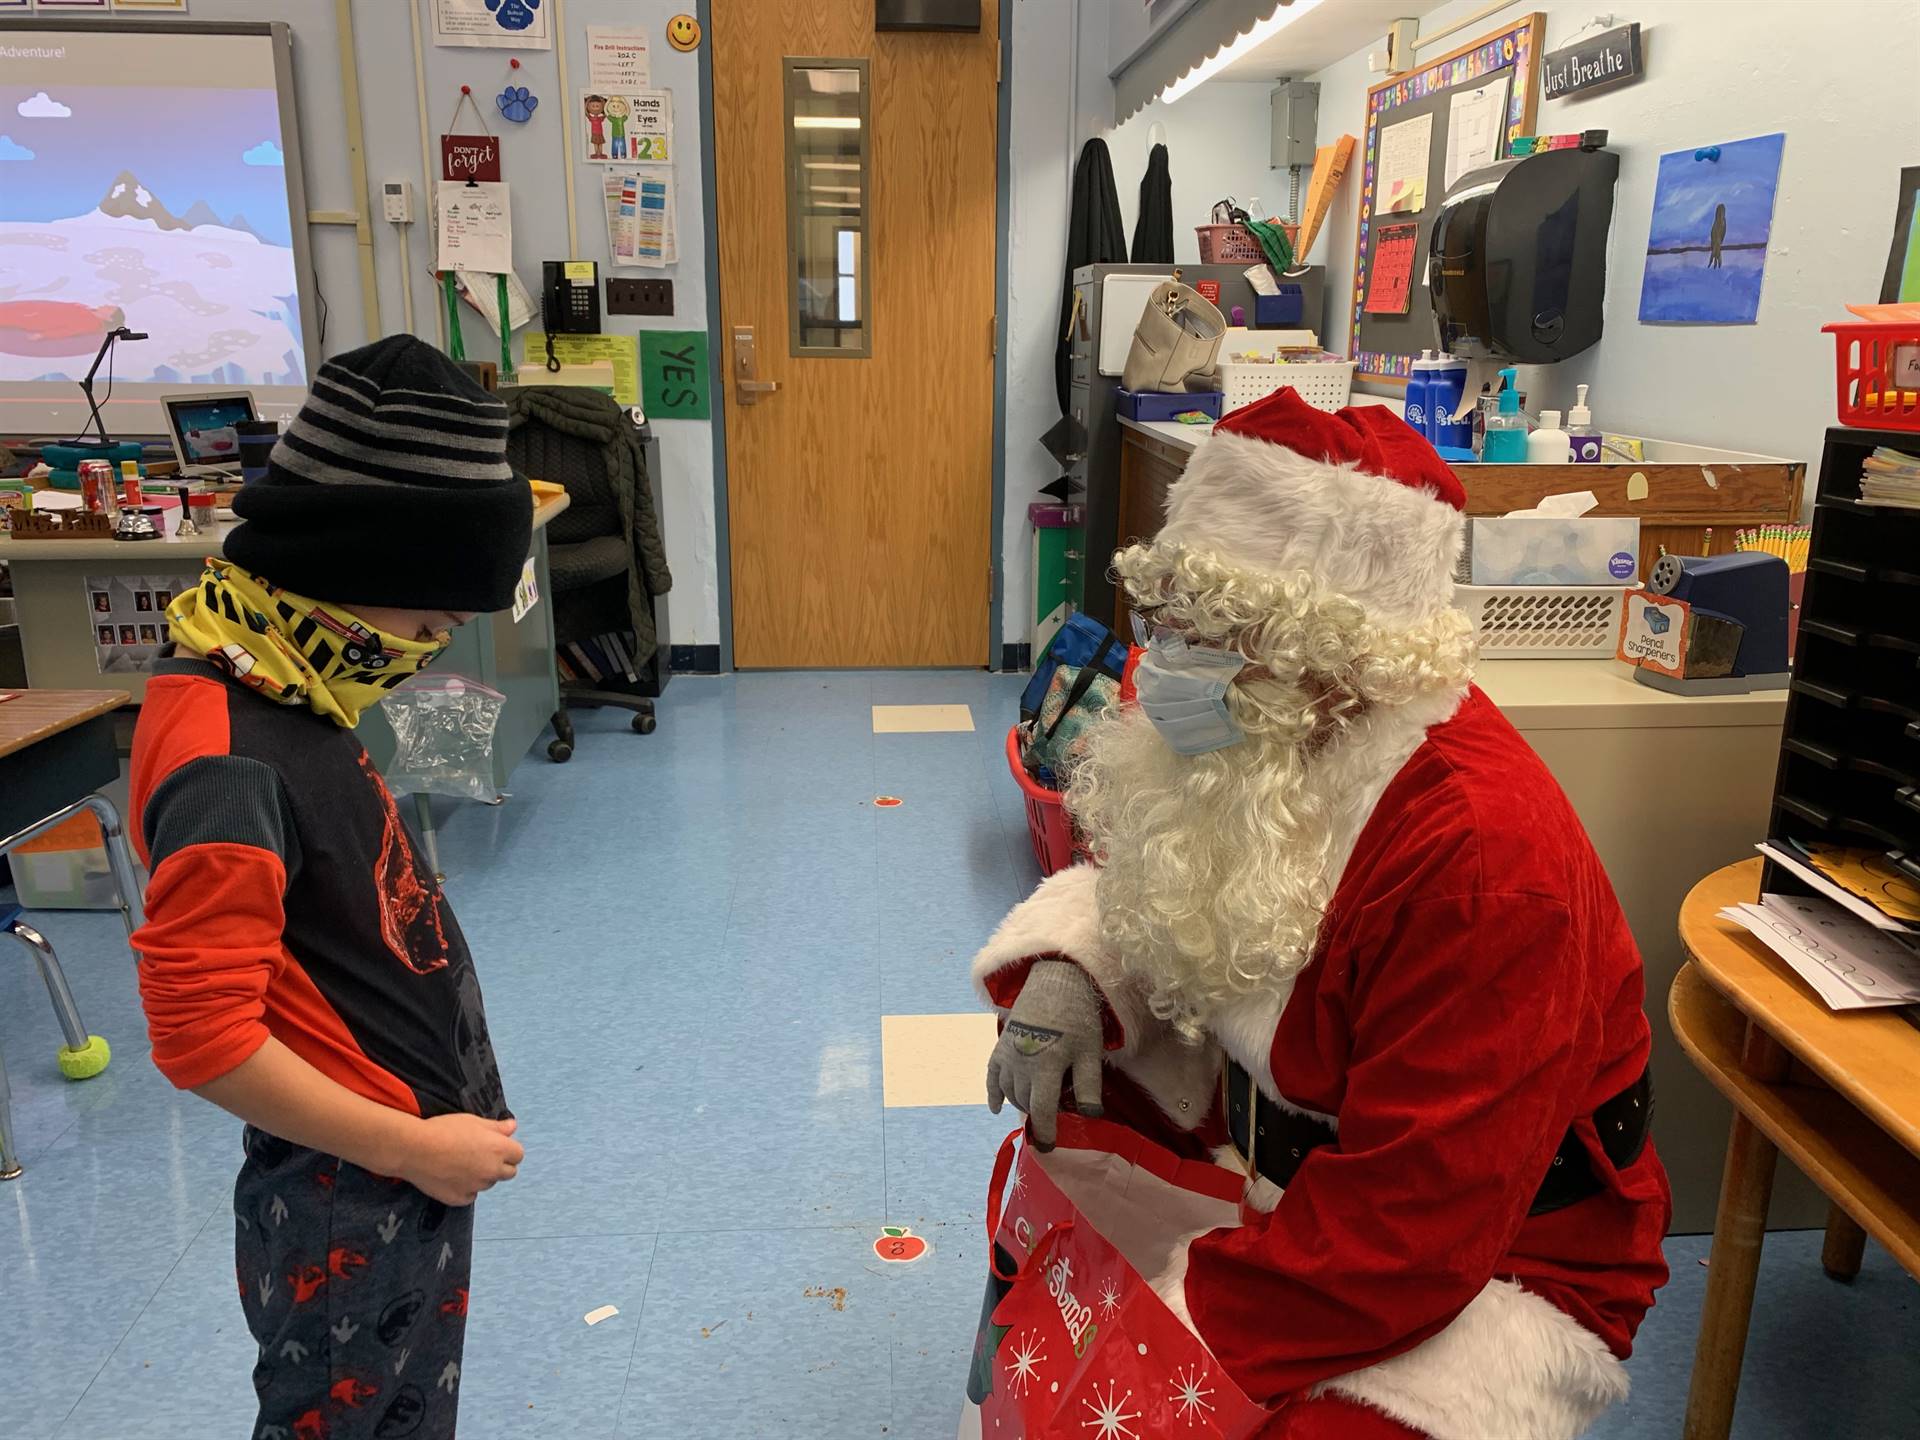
(1506, 440)
(1581, 436)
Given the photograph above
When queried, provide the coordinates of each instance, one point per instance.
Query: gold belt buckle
(1247, 1157)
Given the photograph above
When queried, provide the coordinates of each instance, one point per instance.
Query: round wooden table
(1837, 1094)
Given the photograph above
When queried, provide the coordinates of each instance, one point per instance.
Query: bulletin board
(1385, 345)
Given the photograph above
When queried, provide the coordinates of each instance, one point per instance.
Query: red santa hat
(1358, 499)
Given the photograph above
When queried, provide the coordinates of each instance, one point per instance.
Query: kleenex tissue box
(1540, 550)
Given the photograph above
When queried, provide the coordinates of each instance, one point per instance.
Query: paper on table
(1850, 965)
(1402, 183)
(1868, 912)
(1474, 126)
(1568, 505)
(475, 226)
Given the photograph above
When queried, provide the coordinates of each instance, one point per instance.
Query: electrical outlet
(639, 297)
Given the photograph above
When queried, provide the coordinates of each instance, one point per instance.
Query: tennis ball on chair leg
(86, 1062)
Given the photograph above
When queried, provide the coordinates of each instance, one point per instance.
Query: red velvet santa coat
(1474, 993)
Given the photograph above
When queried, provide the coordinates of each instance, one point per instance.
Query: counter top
(175, 550)
(1603, 695)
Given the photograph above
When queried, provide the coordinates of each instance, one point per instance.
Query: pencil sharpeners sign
(1653, 632)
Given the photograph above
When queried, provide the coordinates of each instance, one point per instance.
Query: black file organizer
(1850, 753)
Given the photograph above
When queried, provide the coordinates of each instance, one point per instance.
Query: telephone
(569, 301)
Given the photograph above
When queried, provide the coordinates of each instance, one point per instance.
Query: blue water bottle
(1445, 387)
(1419, 410)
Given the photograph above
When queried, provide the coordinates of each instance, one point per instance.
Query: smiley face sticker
(683, 32)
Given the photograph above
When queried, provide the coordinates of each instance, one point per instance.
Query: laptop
(201, 426)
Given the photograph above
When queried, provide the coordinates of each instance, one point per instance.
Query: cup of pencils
(1790, 543)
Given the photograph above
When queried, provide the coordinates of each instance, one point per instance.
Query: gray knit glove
(1052, 1031)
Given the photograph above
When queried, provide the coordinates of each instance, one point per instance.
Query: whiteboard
(1123, 298)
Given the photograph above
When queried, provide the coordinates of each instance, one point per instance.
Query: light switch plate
(639, 297)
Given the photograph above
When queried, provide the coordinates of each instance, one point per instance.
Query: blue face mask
(1183, 690)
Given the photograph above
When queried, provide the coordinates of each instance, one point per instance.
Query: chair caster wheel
(645, 724)
(86, 1062)
(559, 751)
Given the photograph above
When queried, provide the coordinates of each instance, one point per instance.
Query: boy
(299, 965)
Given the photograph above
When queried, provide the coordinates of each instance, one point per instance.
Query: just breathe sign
(1610, 58)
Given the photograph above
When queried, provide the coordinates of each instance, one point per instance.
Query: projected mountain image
(102, 223)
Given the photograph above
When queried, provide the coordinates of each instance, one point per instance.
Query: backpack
(1082, 641)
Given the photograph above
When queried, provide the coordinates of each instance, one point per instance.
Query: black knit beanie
(391, 487)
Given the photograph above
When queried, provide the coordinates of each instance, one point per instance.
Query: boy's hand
(454, 1157)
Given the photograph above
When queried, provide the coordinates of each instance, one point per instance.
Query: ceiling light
(1263, 30)
(832, 164)
(826, 122)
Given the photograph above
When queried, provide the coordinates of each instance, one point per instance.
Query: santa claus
(1345, 932)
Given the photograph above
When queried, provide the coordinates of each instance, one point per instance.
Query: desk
(1837, 1094)
(56, 749)
(56, 631)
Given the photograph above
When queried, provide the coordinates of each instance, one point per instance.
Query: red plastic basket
(1867, 359)
(1047, 823)
(1227, 245)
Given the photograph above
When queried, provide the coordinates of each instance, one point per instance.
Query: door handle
(749, 389)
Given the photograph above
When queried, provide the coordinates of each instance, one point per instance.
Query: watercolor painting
(1707, 246)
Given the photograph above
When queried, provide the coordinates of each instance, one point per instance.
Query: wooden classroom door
(856, 196)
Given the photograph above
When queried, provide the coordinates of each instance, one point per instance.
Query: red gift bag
(1073, 1339)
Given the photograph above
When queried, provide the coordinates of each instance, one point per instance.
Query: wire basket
(1877, 367)
(1323, 384)
(1543, 622)
(1228, 245)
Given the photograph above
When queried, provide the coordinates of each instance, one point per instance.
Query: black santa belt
(1275, 1141)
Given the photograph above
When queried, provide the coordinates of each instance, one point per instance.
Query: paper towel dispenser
(1517, 263)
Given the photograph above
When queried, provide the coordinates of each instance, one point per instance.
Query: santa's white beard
(1217, 868)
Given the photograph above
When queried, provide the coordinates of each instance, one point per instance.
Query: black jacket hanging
(1094, 237)
(1153, 228)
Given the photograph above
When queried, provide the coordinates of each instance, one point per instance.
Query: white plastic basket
(1323, 384)
(1543, 622)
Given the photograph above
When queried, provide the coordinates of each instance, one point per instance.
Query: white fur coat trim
(1384, 544)
(1510, 1364)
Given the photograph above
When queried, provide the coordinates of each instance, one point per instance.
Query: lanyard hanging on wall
(456, 342)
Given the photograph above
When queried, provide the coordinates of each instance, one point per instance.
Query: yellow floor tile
(935, 1059)
(921, 719)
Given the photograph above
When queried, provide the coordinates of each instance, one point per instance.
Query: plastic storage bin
(1228, 245)
(1153, 405)
(1877, 379)
(1323, 384)
(1279, 312)
(1543, 622)
(1047, 824)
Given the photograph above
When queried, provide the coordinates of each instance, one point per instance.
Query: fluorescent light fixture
(826, 122)
(1241, 45)
(833, 164)
(834, 189)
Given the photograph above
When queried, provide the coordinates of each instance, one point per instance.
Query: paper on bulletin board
(1476, 124)
(474, 226)
(617, 60)
(1402, 183)
(496, 24)
(627, 127)
(1390, 277)
(640, 218)
(621, 352)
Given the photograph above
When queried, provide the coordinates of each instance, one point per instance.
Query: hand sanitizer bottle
(1506, 439)
(1581, 436)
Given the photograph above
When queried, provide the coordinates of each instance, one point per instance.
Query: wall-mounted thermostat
(396, 201)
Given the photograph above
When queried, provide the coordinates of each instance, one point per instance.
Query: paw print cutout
(514, 14)
(516, 104)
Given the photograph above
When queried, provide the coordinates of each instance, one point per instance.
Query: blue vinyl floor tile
(687, 942)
